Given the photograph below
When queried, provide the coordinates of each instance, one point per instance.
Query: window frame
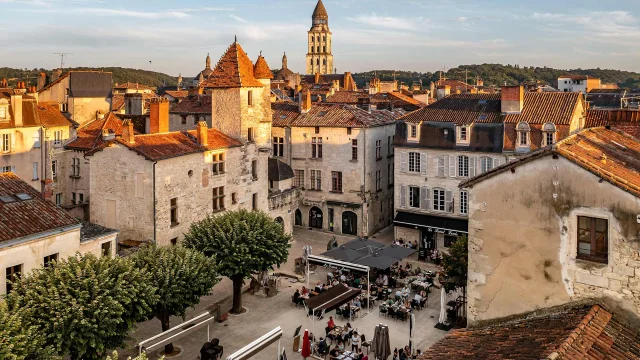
(278, 146)
(103, 248)
(5, 145)
(75, 167)
(217, 196)
(316, 147)
(459, 133)
(464, 202)
(336, 181)
(415, 161)
(254, 169)
(3, 113)
(249, 98)
(414, 197)
(54, 168)
(463, 166)
(218, 164)
(316, 180)
(57, 138)
(354, 149)
(378, 149)
(439, 195)
(523, 131)
(413, 131)
(47, 260)
(298, 178)
(173, 211)
(378, 180)
(486, 164)
(11, 273)
(593, 240)
(250, 135)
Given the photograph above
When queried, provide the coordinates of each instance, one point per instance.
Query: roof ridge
(595, 311)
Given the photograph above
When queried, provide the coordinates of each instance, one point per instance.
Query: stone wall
(23, 154)
(83, 110)
(175, 121)
(523, 240)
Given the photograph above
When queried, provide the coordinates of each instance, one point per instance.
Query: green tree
(455, 264)
(243, 243)
(17, 341)
(181, 276)
(84, 306)
(143, 356)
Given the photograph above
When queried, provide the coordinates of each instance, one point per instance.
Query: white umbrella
(443, 304)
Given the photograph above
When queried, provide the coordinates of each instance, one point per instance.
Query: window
(36, 139)
(593, 239)
(3, 112)
(12, 274)
(254, 169)
(486, 163)
(57, 138)
(549, 133)
(174, 211)
(463, 134)
(463, 166)
(234, 198)
(348, 131)
(278, 146)
(5, 169)
(449, 240)
(438, 199)
(218, 198)
(54, 168)
(59, 199)
(316, 147)
(414, 197)
(317, 128)
(183, 119)
(35, 171)
(354, 149)
(106, 248)
(75, 167)
(464, 202)
(316, 180)
(414, 162)
(250, 97)
(6, 142)
(336, 181)
(390, 174)
(250, 134)
(254, 201)
(390, 145)
(218, 164)
(48, 260)
(298, 178)
(80, 198)
(378, 149)
(73, 198)
(378, 180)
(523, 130)
(549, 139)
(414, 131)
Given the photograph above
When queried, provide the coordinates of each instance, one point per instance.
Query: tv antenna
(62, 55)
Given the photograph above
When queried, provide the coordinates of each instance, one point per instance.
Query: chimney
(99, 115)
(202, 131)
(298, 88)
(16, 106)
(512, 99)
(479, 82)
(20, 88)
(127, 132)
(43, 80)
(3, 83)
(432, 89)
(316, 78)
(159, 116)
(134, 104)
(442, 91)
(305, 101)
(33, 92)
(107, 135)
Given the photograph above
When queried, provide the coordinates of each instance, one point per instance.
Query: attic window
(482, 102)
(23, 196)
(482, 117)
(322, 113)
(283, 116)
(7, 199)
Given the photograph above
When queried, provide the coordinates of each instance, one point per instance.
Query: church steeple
(319, 56)
(284, 61)
(208, 62)
(320, 15)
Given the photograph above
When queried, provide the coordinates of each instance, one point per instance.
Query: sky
(174, 37)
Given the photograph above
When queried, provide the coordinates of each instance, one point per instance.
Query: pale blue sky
(420, 35)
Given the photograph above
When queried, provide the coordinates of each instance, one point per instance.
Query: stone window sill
(336, 192)
(390, 156)
(591, 260)
(74, 176)
(353, 160)
(174, 225)
(379, 158)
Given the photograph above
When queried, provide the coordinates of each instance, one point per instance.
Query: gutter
(155, 217)
(20, 240)
(365, 218)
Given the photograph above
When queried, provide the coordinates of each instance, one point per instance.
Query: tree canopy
(455, 264)
(18, 341)
(84, 306)
(181, 276)
(243, 243)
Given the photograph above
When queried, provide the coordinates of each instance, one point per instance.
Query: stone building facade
(558, 225)
(319, 56)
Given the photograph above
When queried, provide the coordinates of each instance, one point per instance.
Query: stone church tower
(319, 57)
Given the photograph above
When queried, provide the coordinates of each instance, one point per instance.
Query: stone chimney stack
(43, 80)
(159, 116)
(20, 88)
(16, 107)
(134, 104)
(479, 82)
(316, 78)
(202, 132)
(442, 91)
(107, 135)
(4, 83)
(512, 99)
(33, 92)
(305, 101)
(128, 135)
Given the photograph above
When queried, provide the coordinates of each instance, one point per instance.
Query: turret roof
(320, 11)
(234, 69)
(261, 69)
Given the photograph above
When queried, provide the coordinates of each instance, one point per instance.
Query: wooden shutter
(448, 201)
(403, 162)
(429, 202)
(12, 141)
(441, 165)
(472, 166)
(403, 196)
(452, 166)
(423, 164)
(424, 198)
(496, 162)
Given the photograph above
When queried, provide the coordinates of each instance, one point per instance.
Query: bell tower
(319, 56)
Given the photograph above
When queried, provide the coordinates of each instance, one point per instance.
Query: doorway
(427, 244)
(298, 217)
(349, 223)
(315, 218)
(330, 219)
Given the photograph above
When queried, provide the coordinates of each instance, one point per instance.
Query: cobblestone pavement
(267, 313)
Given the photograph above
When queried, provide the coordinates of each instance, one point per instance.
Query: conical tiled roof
(320, 11)
(261, 69)
(234, 69)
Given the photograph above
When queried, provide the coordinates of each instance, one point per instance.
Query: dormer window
(524, 131)
(548, 134)
(3, 113)
(463, 134)
(413, 131)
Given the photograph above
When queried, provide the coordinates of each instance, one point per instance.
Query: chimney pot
(128, 134)
(305, 101)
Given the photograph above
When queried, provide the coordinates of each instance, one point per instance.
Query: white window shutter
(452, 166)
(448, 201)
(13, 169)
(428, 197)
(472, 166)
(496, 162)
(403, 196)
(423, 164)
(424, 198)
(13, 142)
(441, 166)
(403, 162)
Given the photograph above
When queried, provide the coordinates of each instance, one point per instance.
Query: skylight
(482, 117)
(322, 113)
(482, 102)
(23, 196)
(283, 116)
(7, 199)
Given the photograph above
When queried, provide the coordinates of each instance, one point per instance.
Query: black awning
(333, 298)
(343, 204)
(435, 223)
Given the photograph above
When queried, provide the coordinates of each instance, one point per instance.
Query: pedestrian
(355, 341)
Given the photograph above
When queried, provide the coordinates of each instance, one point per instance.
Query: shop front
(430, 232)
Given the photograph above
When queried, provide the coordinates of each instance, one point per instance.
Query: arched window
(311, 62)
(324, 62)
(548, 134)
(318, 62)
(318, 49)
(523, 130)
(324, 38)
(324, 48)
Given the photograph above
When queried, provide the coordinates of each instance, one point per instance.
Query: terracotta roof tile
(89, 136)
(460, 109)
(381, 100)
(130, 85)
(49, 115)
(553, 107)
(117, 102)
(455, 85)
(333, 115)
(234, 69)
(320, 11)
(177, 94)
(261, 69)
(218, 140)
(283, 113)
(195, 104)
(597, 118)
(579, 332)
(21, 218)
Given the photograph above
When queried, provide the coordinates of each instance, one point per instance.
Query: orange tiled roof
(195, 104)
(216, 139)
(581, 332)
(20, 218)
(460, 109)
(50, 115)
(333, 115)
(130, 85)
(234, 69)
(89, 136)
(177, 94)
(283, 113)
(596, 118)
(547, 107)
(455, 85)
(261, 69)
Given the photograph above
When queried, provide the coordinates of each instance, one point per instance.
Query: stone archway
(315, 217)
(298, 218)
(280, 221)
(349, 223)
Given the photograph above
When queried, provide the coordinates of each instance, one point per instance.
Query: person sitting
(331, 324)
(395, 354)
(340, 345)
(402, 355)
(398, 295)
(335, 282)
(415, 244)
(417, 354)
(360, 355)
(304, 291)
(416, 300)
(357, 303)
(297, 298)
(385, 280)
(408, 267)
(335, 352)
